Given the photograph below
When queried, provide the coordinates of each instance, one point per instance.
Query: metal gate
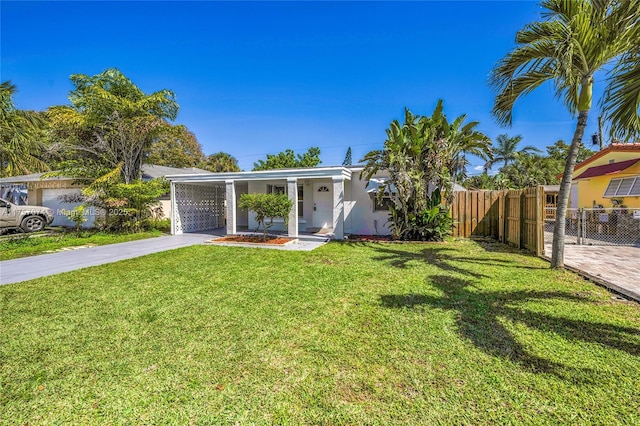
(597, 226)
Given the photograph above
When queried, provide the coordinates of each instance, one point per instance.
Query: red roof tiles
(607, 169)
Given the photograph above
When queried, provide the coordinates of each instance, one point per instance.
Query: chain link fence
(597, 226)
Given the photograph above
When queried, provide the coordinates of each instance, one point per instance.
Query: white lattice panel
(198, 207)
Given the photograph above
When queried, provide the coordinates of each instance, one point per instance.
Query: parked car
(28, 218)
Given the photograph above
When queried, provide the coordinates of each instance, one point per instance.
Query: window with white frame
(623, 187)
(300, 200)
(281, 189)
(276, 189)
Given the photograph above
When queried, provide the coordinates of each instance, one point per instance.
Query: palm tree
(464, 140)
(507, 150)
(624, 96)
(576, 39)
(20, 133)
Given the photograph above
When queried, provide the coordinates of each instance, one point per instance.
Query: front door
(322, 206)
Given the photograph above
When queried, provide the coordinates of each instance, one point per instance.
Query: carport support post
(173, 208)
(292, 192)
(230, 196)
(338, 208)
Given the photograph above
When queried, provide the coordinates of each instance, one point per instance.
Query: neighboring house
(36, 190)
(550, 201)
(330, 200)
(609, 178)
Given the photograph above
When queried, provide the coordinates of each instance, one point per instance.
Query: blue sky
(254, 78)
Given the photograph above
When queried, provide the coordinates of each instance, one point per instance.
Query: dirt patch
(253, 239)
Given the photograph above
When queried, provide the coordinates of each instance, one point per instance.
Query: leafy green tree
(574, 41)
(221, 162)
(175, 146)
(560, 150)
(347, 158)
(133, 205)
(111, 121)
(530, 170)
(21, 146)
(506, 150)
(267, 206)
(486, 181)
(556, 158)
(419, 154)
(126, 207)
(288, 160)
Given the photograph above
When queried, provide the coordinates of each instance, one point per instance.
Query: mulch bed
(386, 239)
(372, 238)
(253, 239)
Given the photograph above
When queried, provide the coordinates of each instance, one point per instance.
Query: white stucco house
(329, 200)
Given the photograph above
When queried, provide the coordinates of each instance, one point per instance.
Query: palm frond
(621, 99)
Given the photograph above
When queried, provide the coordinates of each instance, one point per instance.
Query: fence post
(540, 220)
(582, 225)
(501, 219)
(521, 219)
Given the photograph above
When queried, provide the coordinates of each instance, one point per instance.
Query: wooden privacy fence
(514, 217)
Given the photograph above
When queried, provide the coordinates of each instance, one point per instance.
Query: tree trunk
(557, 251)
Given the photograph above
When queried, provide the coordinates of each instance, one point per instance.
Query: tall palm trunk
(557, 253)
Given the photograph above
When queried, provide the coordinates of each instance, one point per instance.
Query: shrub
(127, 207)
(163, 225)
(434, 223)
(267, 206)
(77, 216)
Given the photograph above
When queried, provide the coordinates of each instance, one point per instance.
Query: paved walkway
(28, 268)
(616, 267)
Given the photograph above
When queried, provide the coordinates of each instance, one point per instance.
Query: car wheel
(32, 224)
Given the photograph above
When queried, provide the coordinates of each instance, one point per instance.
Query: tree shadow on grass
(480, 315)
(444, 258)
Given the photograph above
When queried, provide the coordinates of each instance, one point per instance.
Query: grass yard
(26, 245)
(351, 333)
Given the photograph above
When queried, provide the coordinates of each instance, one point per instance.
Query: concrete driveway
(616, 267)
(28, 268)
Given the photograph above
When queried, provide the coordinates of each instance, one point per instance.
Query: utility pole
(600, 131)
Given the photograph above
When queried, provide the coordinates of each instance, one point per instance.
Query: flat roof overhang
(279, 174)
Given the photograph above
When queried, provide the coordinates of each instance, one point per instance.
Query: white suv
(29, 218)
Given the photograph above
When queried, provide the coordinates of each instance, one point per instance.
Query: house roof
(614, 147)
(275, 174)
(33, 177)
(607, 169)
(152, 171)
(149, 171)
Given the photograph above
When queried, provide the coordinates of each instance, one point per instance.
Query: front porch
(201, 202)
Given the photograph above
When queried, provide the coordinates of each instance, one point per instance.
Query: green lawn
(451, 333)
(27, 245)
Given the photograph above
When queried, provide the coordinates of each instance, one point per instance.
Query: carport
(197, 206)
